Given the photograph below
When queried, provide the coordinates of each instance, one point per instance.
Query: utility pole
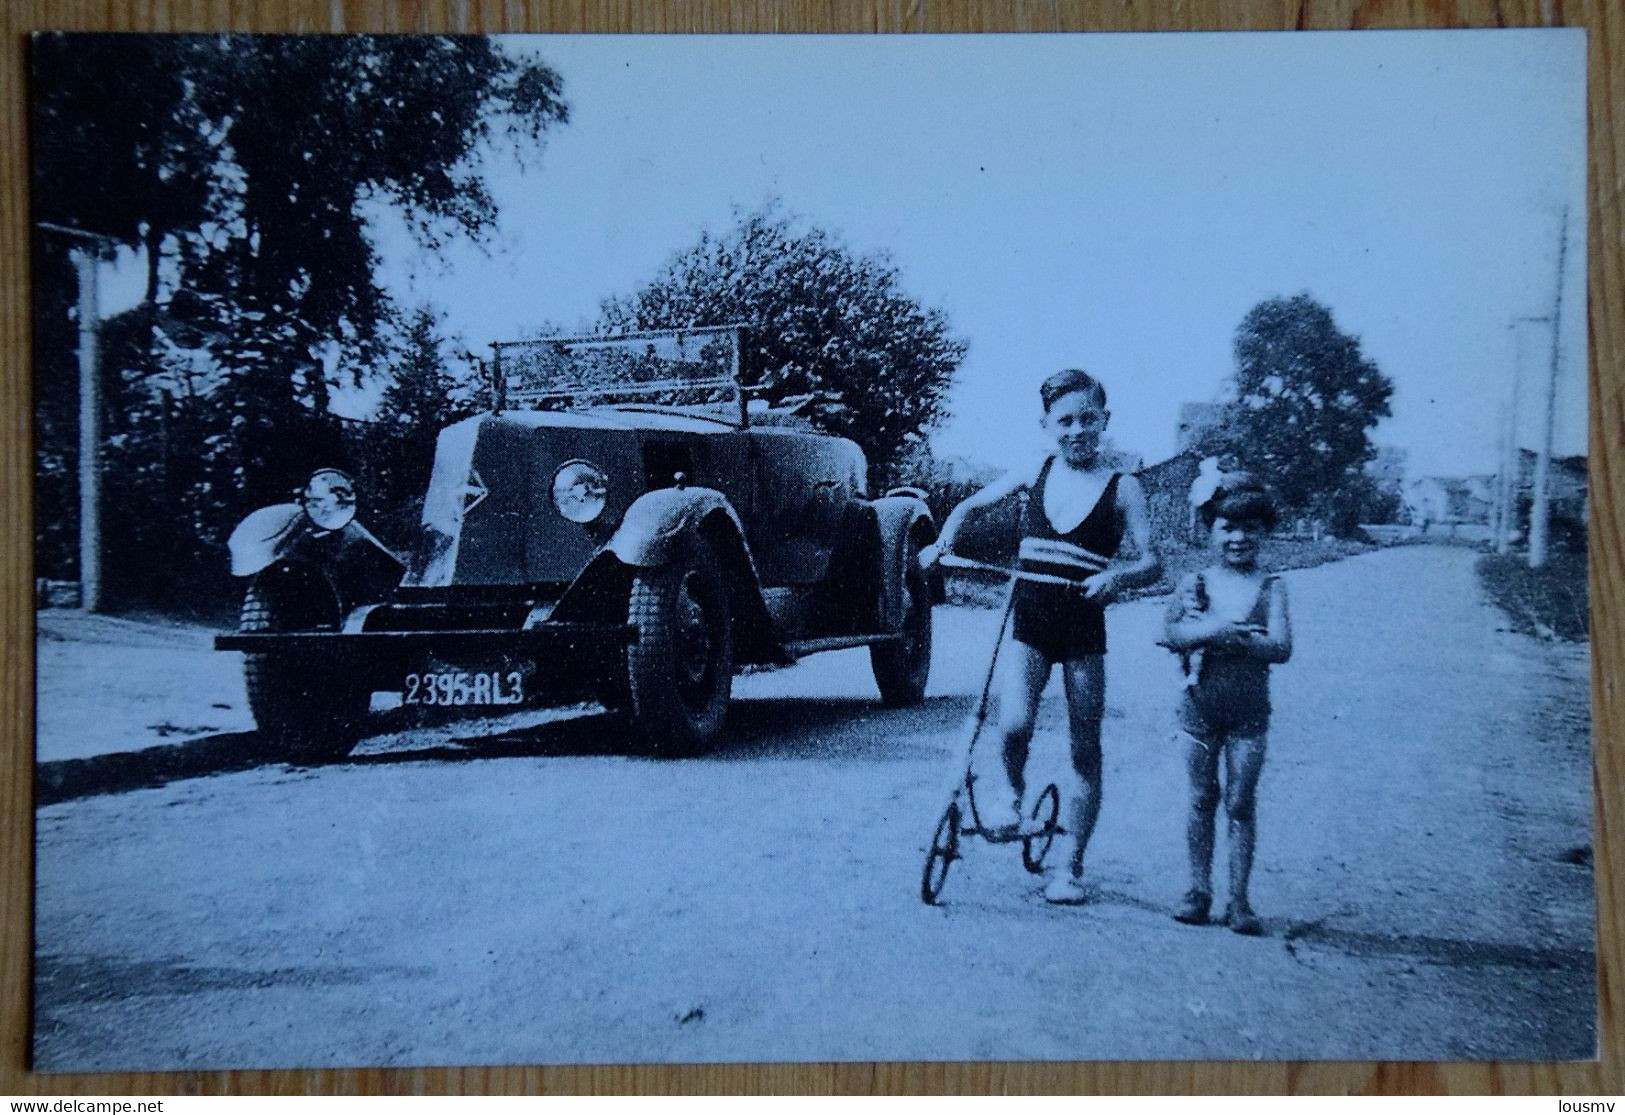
(1540, 511)
(87, 254)
(1512, 455)
(1498, 514)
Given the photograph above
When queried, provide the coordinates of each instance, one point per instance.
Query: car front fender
(654, 524)
(358, 566)
(263, 537)
(648, 537)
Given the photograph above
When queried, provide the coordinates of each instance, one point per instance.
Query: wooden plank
(1602, 18)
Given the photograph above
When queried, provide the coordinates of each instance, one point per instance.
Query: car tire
(903, 666)
(679, 664)
(307, 711)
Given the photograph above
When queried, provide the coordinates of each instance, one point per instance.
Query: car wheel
(306, 708)
(680, 662)
(902, 666)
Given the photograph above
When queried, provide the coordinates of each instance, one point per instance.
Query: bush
(1550, 602)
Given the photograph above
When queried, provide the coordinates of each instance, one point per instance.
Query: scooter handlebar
(955, 561)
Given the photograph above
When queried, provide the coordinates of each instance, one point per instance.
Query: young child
(1230, 623)
(1078, 514)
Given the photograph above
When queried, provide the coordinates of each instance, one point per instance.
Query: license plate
(464, 688)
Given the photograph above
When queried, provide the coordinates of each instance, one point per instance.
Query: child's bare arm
(1272, 644)
(1147, 566)
(1006, 485)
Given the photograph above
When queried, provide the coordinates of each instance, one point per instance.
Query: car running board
(837, 642)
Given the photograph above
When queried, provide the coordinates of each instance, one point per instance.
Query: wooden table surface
(1605, 21)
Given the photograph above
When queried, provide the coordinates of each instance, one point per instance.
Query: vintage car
(625, 525)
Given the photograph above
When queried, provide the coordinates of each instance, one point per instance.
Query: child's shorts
(1058, 621)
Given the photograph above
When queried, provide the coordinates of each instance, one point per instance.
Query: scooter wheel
(1046, 823)
(944, 850)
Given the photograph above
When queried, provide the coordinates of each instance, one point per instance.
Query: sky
(1115, 202)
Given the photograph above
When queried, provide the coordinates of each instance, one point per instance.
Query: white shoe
(1006, 825)
(1065, 889)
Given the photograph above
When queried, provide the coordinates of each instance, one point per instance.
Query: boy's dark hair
(1066, 381)
(1241, 499)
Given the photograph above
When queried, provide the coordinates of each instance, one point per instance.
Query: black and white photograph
(622, 549)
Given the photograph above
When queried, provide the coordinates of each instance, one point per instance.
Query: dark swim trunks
(1057, 620)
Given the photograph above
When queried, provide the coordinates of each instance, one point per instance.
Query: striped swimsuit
(1056, 619)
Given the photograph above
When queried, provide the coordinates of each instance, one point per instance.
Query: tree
(249, 168)
(121, 144)
(323, 126)
(130, 174)
(826, 324)
(1307, 399)
(423, 394)
(423, 397)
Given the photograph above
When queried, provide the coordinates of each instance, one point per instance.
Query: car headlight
(329, 499)
(580, 491)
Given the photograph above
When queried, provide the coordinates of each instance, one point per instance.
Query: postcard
(635, 549)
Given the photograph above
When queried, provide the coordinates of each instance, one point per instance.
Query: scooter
(960, 817)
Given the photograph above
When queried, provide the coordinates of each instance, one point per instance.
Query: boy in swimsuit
(1078, 514)
(1230, 623)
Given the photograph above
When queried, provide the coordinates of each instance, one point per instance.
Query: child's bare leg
(1085, 704)
(1022, 674)
(1202, 766)
(1244, 760)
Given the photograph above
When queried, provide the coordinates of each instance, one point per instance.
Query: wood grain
(1605, 23)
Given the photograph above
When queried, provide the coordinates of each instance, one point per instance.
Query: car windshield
(693, 371)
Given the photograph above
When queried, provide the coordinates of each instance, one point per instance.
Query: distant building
(1197, 421)
(1450, 500)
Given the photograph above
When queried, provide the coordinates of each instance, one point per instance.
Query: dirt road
(1423, 872)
